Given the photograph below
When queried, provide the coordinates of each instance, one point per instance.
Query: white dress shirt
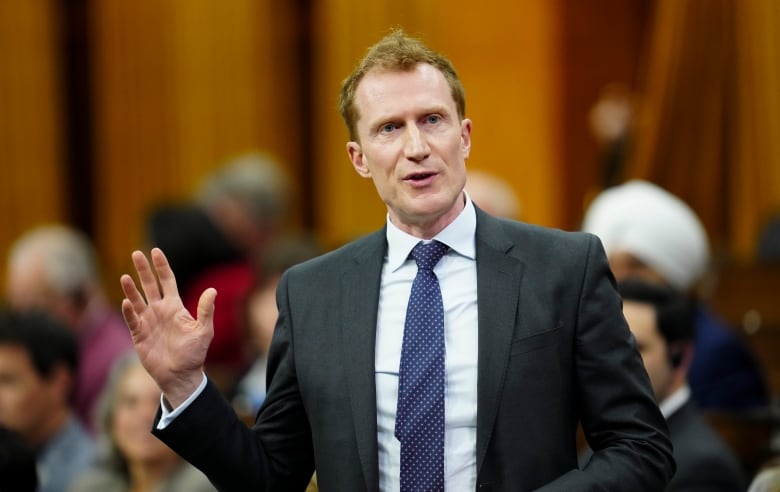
(457, 274)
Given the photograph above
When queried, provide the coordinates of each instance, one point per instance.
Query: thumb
(206, 306)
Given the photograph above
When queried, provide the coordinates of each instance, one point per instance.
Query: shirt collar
(458, 235)
(675, 401)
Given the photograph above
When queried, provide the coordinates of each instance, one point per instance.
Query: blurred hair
(675, 311)
(69, 260)
(48, 342)
(285, 252)
(190, 239)
(256, 181)
(396, 52)
(493, 194)
(110, 455)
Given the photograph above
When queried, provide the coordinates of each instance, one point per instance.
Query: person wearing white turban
(654, 226)
(649, 233)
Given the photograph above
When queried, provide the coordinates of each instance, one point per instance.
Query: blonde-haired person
(535, 338)
(131, 458)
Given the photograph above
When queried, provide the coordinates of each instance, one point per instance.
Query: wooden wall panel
(506, 56)
(180, 86)
(30, 120)
(603, 43)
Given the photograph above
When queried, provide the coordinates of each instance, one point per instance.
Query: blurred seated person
(38, 361)
(194, 240)
(768, 478)
(611, 122)
(17, 463)
(55, 268)
(261, 313)
(662, 322)
(492, 194)
(235, 213)
(649, 233)
(131, 459)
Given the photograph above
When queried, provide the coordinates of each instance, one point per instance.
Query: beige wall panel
(180, 86)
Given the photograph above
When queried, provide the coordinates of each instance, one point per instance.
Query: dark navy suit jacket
(554, 349)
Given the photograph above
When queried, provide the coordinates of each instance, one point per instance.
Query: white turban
(653, 225)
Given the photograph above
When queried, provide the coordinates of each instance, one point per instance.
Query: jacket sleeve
(618, 412)
(275, 454)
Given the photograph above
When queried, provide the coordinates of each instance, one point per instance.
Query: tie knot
(428, 255)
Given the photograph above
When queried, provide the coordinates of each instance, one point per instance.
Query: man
(649, 233)
(663, 323)
(54, 268)
(38, 359)
(533, 336)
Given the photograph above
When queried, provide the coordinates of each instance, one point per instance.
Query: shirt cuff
(168, 416)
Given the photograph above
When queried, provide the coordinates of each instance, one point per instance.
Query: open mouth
(419, 177)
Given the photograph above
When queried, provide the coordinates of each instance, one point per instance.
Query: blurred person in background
(492, 194)
(649, 233)
(248, 198)
(235, 214)
(130, 458)
(611, 123)
(55, 268)
(261, 313)
(662, 321)
(38, 366)
(768, 478)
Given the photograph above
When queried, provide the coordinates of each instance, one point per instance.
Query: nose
(415, 145)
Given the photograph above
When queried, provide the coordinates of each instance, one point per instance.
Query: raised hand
(171, 343)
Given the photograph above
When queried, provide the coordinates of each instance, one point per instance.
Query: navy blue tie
(419, 421)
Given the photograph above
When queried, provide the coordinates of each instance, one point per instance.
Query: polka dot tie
(419, 422)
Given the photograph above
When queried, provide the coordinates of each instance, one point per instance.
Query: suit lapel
(359, 301)
(498, 292)
(498, 287)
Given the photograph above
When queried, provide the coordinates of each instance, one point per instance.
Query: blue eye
(387, 128)
(434, 118)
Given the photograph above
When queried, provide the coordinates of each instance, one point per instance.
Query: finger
(164, 273)
(206, 307)
(130, 315)
(146, 276)
(134, 297)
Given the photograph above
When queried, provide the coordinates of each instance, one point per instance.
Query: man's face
(413, 145)
(652, 346)
(25, 397)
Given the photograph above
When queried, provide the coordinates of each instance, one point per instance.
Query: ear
(357, 157)
(465, 137)
(680, 356)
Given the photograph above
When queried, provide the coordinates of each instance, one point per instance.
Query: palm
(171, 344)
